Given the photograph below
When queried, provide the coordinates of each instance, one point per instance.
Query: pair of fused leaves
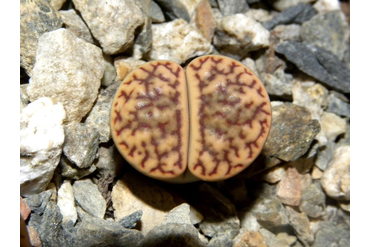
(208, 122)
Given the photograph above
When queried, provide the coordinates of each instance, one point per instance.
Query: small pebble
(289, 188)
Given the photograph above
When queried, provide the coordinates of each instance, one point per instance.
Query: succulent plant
(207, 122)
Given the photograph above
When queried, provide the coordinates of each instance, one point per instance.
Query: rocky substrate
(77, 190)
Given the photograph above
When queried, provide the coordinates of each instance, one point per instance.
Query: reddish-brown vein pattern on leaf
(148, 107)
(230, 90)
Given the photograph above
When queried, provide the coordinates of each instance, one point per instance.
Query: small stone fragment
(66, 203)
(309, 59)
(336, 216)
(282, 5)
(109, 71)
(247, 238)
(260, 15)
(279, 240)
(220, 240)
(336, 178)
(248, 220)
(238, 34)
(34, 237)
(269, 63)
(89, 198)
(313, 201)
(75, 24)
(174, 9)
(325, 155)
(109, 22)
(330, 234)
(269, 237)
(110, 161)
(270, 213)
(177, 217)
(81, 151)
(306, 180)
(204, 20)
(336, 68)
(179, 214)
(37, 202)
(328, 31)
(24, 99)
(284, 238)
(50, 229)
(56, 4)
(316, 173)
(291, 133)
(332, 125)
(24, 209)
(289, 188)
(143, 40)
(345, 206)
(278, 83)
(37, 18)
(177, 41)
(324, 6)
(68, 70)
(301, 226)
(149, 7)
(130, 221)
(296, 14)
(41, 140)
(275, 174)
(155, 13)
(125, 66)
(231, 7)
(97, 121)
(70, 170)
(98, 232)
(346, 137)
(337, 105)
(287, 32)
(128, 195)
(172, 234)
(250, 63)
(190, 7)
(312, 96)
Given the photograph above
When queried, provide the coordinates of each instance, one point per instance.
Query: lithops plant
(208, 122)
